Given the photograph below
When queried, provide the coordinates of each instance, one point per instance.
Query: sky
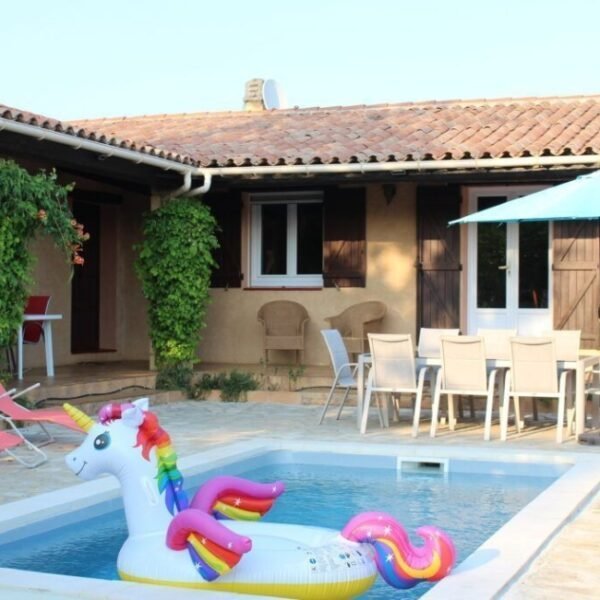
(73, 59)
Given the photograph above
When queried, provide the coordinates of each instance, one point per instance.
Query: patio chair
(393, 371)
(10, 440)
(534, 372)
(283, 324)
(497, 342)
(40, 416)
(464, 373)
(429, 345)
(344, 370)
(356, 322)
(33, 331)
(567, 342)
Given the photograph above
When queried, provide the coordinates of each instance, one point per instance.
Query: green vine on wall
(174, 264)
(30, 204)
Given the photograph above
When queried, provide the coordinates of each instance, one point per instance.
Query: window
(286, 242)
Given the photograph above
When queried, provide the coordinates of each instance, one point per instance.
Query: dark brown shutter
(344, 241)
(227, 210)
(576, 250)
(438, 286)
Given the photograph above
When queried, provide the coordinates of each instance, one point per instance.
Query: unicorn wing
(214, 549)
(236, 498)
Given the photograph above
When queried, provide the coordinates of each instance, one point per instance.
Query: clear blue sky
(78, 58)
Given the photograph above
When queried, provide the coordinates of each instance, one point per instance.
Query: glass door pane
(533, 265)
(491, 259)
(274, 239)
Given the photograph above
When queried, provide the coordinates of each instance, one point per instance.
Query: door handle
(503, 268)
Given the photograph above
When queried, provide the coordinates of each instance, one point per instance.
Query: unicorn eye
(102, 441)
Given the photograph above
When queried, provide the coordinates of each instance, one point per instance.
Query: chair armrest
(350, 364)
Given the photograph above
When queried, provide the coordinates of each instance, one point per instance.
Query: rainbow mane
(152, 435)
(401, 564)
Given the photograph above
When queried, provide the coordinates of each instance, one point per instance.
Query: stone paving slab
(568, 568)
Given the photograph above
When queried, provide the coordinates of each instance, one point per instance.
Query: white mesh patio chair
(534, 373)
(497, 342)
(344, 370)
(429, 341)
(393, 371)
(464, 373)
(567, 343)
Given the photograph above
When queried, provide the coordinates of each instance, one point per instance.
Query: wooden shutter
(438, 286)
(344, 240)
(227, 210)
(576, 258)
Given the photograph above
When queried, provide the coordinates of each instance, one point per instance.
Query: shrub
(233, 386)
(174, 265)
(30, 204)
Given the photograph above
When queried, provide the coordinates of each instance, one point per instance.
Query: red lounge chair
(16, 412)
(9, 441)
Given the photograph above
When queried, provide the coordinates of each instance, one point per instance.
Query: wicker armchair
(283, 326)
(356, 321)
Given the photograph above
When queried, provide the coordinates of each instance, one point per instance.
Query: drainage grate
(423, 465)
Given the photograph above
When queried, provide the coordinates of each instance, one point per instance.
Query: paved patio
(568, 568)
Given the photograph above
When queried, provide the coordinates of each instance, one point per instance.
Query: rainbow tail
(236, 498)
(214, 549)
(401, 564)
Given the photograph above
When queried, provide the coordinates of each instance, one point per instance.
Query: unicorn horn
(85, 422)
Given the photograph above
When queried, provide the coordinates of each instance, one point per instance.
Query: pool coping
(487, 573)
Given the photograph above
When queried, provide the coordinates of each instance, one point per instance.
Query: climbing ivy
(174, 264)
(30, 204)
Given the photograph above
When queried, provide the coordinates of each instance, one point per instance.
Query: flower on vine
(42, 215)
(78, 260)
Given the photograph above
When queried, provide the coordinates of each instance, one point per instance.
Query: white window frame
(291, 279)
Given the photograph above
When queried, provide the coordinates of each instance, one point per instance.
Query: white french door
(509, 268)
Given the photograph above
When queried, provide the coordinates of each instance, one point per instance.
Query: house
(329, 207)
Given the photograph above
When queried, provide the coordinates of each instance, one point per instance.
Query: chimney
(253, 95)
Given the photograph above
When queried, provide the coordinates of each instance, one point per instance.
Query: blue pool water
(469, 506)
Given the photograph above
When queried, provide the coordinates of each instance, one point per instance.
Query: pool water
(468, 506)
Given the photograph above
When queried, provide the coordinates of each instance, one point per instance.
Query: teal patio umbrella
(576, 199)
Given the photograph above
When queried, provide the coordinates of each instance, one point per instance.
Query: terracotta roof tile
(20, 116)
(342, 134)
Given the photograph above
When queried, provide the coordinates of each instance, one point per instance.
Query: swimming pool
(469, 499)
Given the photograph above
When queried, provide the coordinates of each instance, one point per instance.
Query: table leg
(579, 398)
(20, 353)
(48, 347)
(360, 391)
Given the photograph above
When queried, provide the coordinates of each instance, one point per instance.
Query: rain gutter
(208, 173)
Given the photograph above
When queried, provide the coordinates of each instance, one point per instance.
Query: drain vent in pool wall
(423, 465)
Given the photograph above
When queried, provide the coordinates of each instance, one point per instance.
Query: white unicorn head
(109, 445)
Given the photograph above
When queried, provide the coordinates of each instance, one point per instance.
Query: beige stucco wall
(233, 334)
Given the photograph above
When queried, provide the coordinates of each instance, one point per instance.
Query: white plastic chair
(393, 371)
(463, 372)
(534, 373)
(344, 370)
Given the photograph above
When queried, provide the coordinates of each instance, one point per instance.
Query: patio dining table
(586, 361)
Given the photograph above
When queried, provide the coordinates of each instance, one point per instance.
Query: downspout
(199, 191)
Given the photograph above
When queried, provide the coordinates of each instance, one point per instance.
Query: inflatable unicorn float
(179, 542)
